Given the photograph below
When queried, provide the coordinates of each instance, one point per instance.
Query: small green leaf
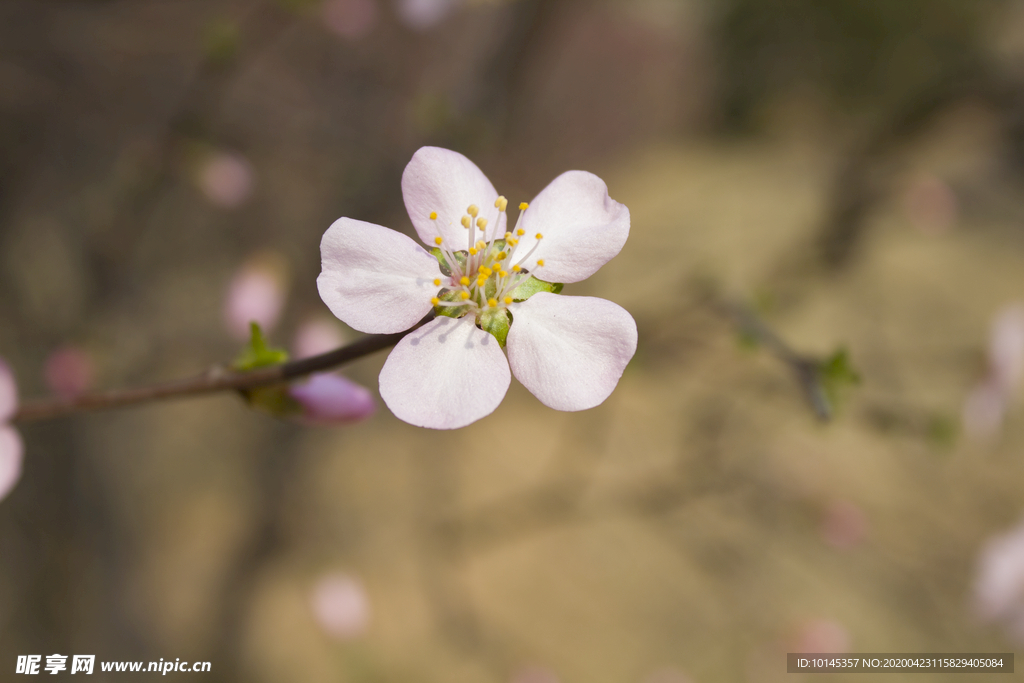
(496, 322)
(835, 374)
(532, 285)
(460, 258)
(257, 354)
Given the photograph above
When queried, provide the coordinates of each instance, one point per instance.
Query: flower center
(482, 277)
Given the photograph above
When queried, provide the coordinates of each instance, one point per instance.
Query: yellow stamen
(437, 282)
(484, 270)
(473, 210)
(516, 268)
(464, 281)
(508, 300)
(500, 256)
(524, 206)
(463, 295)
(438, 241)
(433, 215)
(492, 302)
(481, 223)
(540, 262)
(502, 273)
(465, 222)
(435, 301)
(481, 281)
(540, 236)
(513, 241)
(520, 232)
(501, 203)
(480, 245)
(472, 251)
(507, 235)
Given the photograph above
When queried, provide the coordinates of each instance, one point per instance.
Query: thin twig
(216, 379)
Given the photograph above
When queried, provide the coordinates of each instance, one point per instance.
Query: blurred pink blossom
(350, 19)
(226, 178)
(317, 335)
(534, 674)
(999, 582)
(930, 204)
(11, 446)
(68, 372)
(988, 402)
(332, 399)
(844, 526)
(822, 635)
(421, 15)
(256, 293)
(341, 606)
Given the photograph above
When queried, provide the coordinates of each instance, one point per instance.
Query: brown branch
(216, 379)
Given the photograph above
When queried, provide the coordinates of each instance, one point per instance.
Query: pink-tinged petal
(256, 293)
(583, 228)
(442, 181)
(341, 606)
(10, 459)
(445, 375)
(317, 335)
(8, 392)
(374, 279)
(570, 351)
(332, 399)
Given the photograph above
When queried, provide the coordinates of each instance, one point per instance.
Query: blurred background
(818, 446)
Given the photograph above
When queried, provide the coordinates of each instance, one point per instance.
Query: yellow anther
(463, 295)
(438, 241)
(481, 223)
(492, 302)
(507, 235)
(433, 215)
(472, 251)
(435, 301)
(465, 222)
(464, 281)
(540, 236)
(437, 282)
(540, 262)
(484, 270)
(481, 245)
(513, 241)
(481, 281)
(502, 273)
(508, 300)
(524, 206)
(520, 232)
(473, 210)
(501, 203)
(500, 256)
(516, 268)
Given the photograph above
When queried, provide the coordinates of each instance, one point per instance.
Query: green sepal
(257, 354)
(496, 322)
(532, 285)
(449, 311)
(460, 256)
(273, 399)
(835, 374)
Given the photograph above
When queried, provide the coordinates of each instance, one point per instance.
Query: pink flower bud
(317, 335)
(256, 293)
(69, 372)
(226, 179)
(332, 399)
(341, 606)
(350, 19)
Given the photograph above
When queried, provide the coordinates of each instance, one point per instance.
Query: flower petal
(327, 398)
(10, 459)
(570, 351)
(583, 228)
(445, 375)
(374, 279)
(8, 392)
(442, 181)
